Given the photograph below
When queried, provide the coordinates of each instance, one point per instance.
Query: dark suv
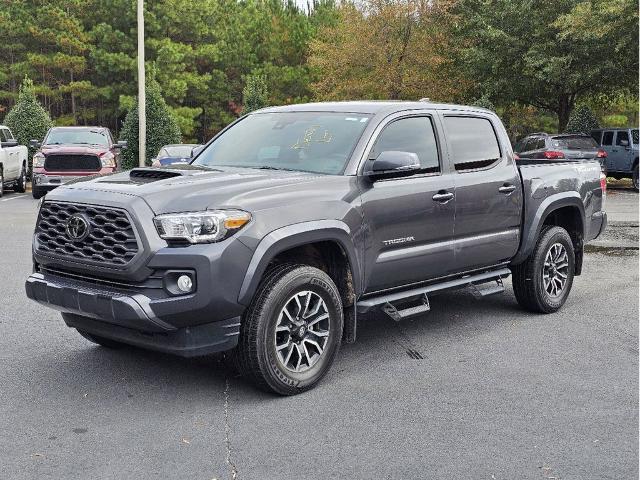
(570, 146)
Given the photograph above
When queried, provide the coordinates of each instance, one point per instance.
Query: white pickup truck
(13, 162)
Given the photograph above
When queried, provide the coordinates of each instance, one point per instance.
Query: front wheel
(291, 332)
(543, 281)
(634, 178)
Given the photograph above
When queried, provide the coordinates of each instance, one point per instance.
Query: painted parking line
(13, 198)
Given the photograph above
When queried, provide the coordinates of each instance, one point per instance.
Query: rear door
(488, 191)
(607, 146)
(408, 223)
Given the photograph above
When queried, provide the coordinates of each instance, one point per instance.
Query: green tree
(549, 55)
(162, 128)
(254, 94)
(27, 119)
(484, 102)
(582, 120)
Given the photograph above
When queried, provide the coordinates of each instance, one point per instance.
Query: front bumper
(46, 179)
(128, 318)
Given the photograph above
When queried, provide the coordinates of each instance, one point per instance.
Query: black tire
(528, 284)
(256, 353)
(38, 192)
(21, 185)
(1, 182)
(103, 342)
(634, 178)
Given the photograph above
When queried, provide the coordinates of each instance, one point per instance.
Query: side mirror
(121, 145)
(624, 143)
(34, 143)
(9, 143)
(394, 163)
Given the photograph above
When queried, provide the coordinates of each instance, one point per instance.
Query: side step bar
(386, 300)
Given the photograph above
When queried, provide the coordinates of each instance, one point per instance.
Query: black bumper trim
(193, 341)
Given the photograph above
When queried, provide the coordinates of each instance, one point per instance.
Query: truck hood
(186, 188)
(73, 149)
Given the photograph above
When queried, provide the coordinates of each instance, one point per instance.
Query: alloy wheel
(302, 331)
(555, 270)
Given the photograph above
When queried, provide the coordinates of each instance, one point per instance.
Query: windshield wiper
(269, 167)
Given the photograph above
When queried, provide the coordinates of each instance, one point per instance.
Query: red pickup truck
(68, 153)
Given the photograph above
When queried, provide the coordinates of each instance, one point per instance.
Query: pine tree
(582, 120)
(27, 119)
(254, 94)
(484, 102)
(162, 128)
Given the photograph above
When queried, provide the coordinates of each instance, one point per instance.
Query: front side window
(634, 135)
(76, 136)
(473, 141)
(414, 135)
(607, 138)
(622, 136)
(317, 142)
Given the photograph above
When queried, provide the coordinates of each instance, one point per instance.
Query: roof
(80, 127)
(370, 107)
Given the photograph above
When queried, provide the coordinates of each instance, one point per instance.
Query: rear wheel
(21, 185)
(634, 178)
(291, 332)
(1, 182)
(543, 281)
(102, 341)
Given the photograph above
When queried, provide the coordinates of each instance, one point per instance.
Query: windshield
(579, 142)
(634, 135)
(318, 142)
(76, 136)
(176, 151)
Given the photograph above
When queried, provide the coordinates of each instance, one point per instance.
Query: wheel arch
(325, 244)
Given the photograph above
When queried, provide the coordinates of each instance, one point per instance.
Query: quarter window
(413, 134)
(473, 141)
(607, 138)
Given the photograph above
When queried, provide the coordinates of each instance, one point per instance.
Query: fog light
(185, 284)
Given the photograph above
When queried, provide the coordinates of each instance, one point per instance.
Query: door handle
(442, 196)
(507, 189)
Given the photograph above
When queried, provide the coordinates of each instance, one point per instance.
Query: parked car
(621, 145)
(69, 153)
(563, 146)
(13, 162)
(295, 220)
(170, 154)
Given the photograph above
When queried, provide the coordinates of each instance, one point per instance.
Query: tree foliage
(254, 94)
(582, 120)
(162, 128)
(27, 119)
(549, 54)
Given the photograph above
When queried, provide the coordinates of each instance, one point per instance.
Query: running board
(370, 303)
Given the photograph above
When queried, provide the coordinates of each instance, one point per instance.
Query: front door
(408, 220)
(621, 152)
(488, 193)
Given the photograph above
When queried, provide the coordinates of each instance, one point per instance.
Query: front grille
(110, 241)
(76, 163)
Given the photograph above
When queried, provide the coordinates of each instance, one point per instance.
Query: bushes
(162, 128)
(582, 120)
(254, 94)
(27, 119)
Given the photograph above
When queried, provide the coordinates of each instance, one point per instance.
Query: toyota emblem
(77, 227)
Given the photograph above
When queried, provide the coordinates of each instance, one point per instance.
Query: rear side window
(413, 134)
(540, 144)
(3, 135)
(7, 134)
(634, 134)
(578, 142)
(473, 141)
(607, 138)
(622, 136)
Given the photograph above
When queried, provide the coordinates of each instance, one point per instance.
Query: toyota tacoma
(294, 221)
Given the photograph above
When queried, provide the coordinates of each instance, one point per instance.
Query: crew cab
(13, 162)
(69, 153)
(293, 222)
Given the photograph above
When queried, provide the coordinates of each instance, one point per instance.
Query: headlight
(38, 160)
(201, 227)
(108, 159)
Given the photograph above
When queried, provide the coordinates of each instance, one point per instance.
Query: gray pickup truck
(294, 221)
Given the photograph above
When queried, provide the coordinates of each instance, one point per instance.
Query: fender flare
(292, 236)
(549, 205)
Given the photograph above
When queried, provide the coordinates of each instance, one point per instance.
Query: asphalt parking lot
(473, 390)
